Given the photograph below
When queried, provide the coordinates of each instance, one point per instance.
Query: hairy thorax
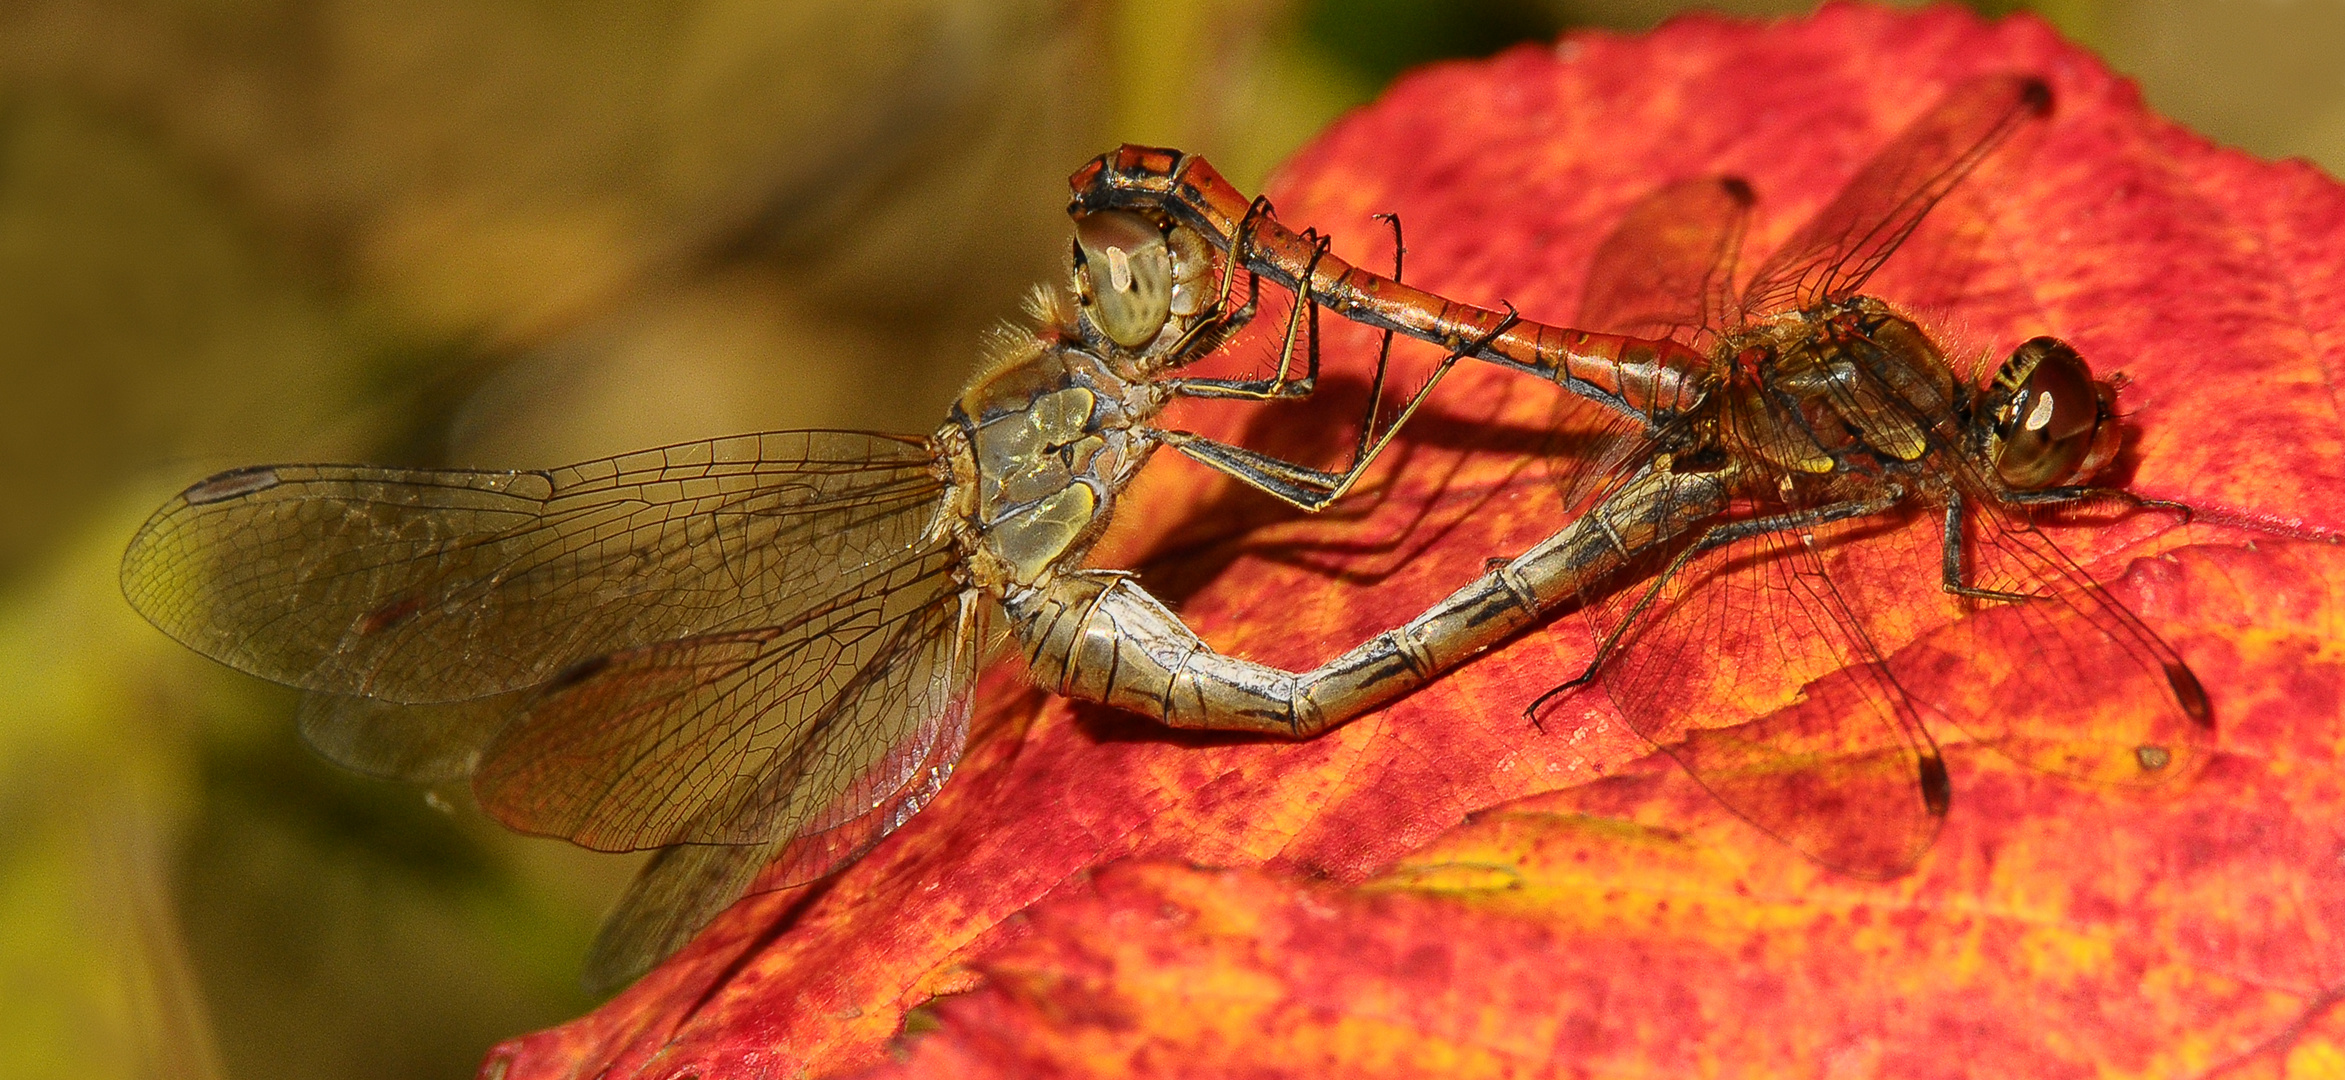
(1827, 398)
(1035, 451)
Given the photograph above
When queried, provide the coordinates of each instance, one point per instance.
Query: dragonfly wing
(1831, 256)
(419, 744)
(864, 813)
(419, 586)
(2090, 692)
(1663, 272)
(890, 752)
(686, 886)
(1665, 268)
(745, 736)
(1834, 761)
(679, 891)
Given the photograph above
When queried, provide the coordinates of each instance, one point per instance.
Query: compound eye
(2048, 432)
(1126, 275)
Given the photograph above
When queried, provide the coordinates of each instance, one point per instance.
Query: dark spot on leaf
(2190, 694)
(2036, 94)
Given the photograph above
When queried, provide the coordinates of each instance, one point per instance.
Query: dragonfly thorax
(1849, 386)
(1036, 450)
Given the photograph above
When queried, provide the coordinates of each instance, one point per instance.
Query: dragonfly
(1740, 461)
(755, 654)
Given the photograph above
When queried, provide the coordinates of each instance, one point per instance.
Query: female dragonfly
(756, 653)
(1748, 451)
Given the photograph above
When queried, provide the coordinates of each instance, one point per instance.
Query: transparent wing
(2084, 689)
(686, 886)
(866, 813)
(419, 744)
(739, 737)
(1835, 763)
(1666, 268)
(677, 893)
(1831, 256)
(1664, 271)
(433, 586)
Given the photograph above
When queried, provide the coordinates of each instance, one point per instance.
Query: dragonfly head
(1123, 276)
(2049, 424)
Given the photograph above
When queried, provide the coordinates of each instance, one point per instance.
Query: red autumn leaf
(1441, 888)
(2057, 930)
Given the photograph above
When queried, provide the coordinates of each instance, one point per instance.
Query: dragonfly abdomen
(1648, 378)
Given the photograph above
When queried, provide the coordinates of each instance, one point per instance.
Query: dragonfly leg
(1277, 387)
(1368, 446)
(1219, 322)
(1955, 579)
(1098, 636)
(1300, 485)
(2061, 496)
(1716, 536)
(1952, 577)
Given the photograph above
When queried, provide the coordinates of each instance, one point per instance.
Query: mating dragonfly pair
(756, 654)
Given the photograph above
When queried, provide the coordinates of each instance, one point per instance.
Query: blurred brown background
(512, 233)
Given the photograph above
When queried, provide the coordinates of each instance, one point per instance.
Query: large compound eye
(2048, 432)
(1126, 270)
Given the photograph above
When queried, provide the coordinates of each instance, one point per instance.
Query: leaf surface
(1443, 888)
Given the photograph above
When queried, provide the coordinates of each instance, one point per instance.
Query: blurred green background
(514, 233)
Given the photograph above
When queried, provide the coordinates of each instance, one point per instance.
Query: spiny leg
(1278, 387)
(1300, 485)
(1362, 451)
(1951, 575)
(2062, 496)
(1220, 322)
(1952, 572)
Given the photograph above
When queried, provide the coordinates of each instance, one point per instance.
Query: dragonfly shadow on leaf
(1100, 724)
(809, 894)
(1464, 462)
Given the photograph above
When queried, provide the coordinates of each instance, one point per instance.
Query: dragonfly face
(2046, 422)
(1123, 275)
